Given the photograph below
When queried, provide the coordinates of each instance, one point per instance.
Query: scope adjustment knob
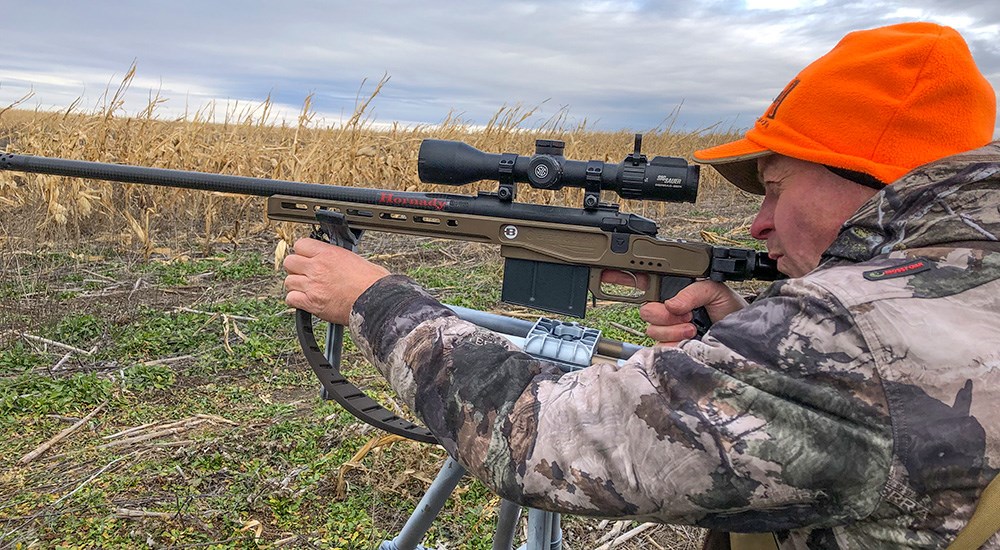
(633, 182)
(544, 172)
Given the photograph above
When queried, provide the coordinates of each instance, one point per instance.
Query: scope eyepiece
(669, 179)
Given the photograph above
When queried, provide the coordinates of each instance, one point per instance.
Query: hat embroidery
(773, 109)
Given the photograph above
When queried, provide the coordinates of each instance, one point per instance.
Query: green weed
(182, 271)
(475, 287)
(31, 394)
(19, 358)
(277, 461)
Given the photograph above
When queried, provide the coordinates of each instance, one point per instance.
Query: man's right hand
(670, 321)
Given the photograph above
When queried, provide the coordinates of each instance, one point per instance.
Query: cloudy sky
(635, 65)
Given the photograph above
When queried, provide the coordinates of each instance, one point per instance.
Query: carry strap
(985, 520)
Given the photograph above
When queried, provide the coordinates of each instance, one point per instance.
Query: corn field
(249, 141)
(107, 297)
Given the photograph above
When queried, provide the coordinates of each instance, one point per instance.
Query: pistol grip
(670, 286)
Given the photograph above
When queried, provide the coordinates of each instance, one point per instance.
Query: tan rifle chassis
(556, 243)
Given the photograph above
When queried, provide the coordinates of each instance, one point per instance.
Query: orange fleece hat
(882, 102)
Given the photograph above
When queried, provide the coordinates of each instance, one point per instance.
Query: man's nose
(763, 225)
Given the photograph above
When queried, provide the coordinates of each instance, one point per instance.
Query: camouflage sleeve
(776, 420)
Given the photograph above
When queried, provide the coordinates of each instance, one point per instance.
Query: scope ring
(349, 396)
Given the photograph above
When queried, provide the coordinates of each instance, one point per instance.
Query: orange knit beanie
(881, 103)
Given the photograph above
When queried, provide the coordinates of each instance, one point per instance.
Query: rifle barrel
(483, 204)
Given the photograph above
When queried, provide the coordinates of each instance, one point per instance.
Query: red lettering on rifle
(389, 199)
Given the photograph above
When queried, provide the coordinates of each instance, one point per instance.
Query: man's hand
(670, 321)
(326, 280)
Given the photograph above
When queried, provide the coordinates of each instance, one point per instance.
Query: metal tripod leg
(544, 531)
(503, 537)
(555, 541)
(430, 505)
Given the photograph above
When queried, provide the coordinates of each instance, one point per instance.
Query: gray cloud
(616, 64)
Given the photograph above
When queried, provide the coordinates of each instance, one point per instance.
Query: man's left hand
(326, 280)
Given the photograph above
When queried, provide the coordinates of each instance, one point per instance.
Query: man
(854, 405)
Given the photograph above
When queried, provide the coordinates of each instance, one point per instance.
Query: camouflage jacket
(855, 407)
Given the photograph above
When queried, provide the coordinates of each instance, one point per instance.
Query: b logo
(773, 109)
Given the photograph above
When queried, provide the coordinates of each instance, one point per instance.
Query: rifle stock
(572, 254)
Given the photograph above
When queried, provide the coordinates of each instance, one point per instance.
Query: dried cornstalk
(185, 425)
(355, 461)
(627, 536)
(129, 513)
(60, 436)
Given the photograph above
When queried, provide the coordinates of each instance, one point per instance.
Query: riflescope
(661, 179)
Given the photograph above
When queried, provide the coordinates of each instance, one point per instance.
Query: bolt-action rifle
(553, 255)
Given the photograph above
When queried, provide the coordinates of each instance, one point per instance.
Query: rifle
(553, 255)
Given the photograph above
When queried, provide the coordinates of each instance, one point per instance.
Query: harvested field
(152, 393)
